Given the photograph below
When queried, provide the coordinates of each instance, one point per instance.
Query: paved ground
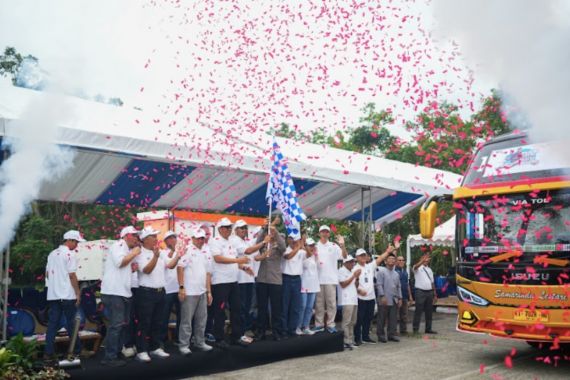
(448, 355)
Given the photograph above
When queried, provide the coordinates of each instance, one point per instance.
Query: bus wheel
(539, 345)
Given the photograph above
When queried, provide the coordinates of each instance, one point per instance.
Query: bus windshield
(532, 223)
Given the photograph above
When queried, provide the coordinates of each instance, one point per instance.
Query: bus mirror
(428, 213)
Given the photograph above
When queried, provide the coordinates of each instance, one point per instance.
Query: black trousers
(364, 320)
(149, 304)
(269, 294)
(223, 295)
(424, 303)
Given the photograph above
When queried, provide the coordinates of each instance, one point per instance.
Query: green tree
(10, 63)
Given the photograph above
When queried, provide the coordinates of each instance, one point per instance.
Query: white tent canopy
(127, 157)
(443, 235)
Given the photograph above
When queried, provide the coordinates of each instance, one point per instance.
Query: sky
(234, 65)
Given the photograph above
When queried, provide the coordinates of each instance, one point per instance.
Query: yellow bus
(513, 240)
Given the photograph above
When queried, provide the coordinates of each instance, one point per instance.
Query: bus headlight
(466, 296)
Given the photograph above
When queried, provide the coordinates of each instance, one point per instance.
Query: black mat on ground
(202, 363)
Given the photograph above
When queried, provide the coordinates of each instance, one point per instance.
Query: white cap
(169, 233)
(348, 258)
(73, 235)
(148, 231)
(198, 233)
(128, 230)
(240, 223)
(294, 236)
(360, 251)
(324, 228)
(224, 222)
(310, 241)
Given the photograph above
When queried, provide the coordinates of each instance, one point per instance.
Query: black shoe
(416, 332)
(277, 337)
(431, 332)
(223, 345)
(369, 340)
(382, 340)
(394, 339)
(259, 336)
(348, 347)
(358, 343)
(113, 362)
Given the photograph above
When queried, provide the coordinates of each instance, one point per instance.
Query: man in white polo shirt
(150, 298)
(292, 269)
(63, 294)
(116, 292)
(171, 257)
(194, 274)
(366, 293)
(246, 280)
(328, 254)
(225, 289)
(425, 295)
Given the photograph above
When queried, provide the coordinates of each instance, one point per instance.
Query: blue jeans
(291, 303)
(246, 298)
(56, 310)
(119, 314)
(307, 304)
(171, 300)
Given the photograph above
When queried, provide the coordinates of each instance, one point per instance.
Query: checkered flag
(281, 190)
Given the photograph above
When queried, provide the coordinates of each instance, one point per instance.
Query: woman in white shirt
(309, 287)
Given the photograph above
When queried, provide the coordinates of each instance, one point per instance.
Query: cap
(295, 236)
(324, 228)
(169, 233)
(148, 231)
(73, 235)
(348, 258)
(224, 222)
(360, 251)
(198, 233)
(128, 230)
(310, 241)
(240, 223)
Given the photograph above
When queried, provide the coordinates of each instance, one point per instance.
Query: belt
(431, 290)
(153, 289)
(291, 275)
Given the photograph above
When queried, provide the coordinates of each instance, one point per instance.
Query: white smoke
(33, 159)
(522, 45)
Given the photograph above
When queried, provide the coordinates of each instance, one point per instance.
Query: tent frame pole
(5, 284)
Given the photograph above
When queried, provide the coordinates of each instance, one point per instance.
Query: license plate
(530, 316)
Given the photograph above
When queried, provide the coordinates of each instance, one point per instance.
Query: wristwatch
(181, 287)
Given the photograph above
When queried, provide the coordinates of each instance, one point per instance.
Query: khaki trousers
(349, 313)
(326, 301)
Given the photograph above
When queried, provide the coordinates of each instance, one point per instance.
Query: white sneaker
(204, 347)
(128, 352)
(246, 339)
(186, 350)
(159, 353)
(143, 357)
(298, 331)
(308, 331)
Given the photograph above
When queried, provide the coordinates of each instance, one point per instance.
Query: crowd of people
(205, 277)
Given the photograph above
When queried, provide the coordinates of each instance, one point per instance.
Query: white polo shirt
(294, 266)
(310, 276)
(349, 295)
(197, 263)
(423, 278)
(241, 245)
(154, 279)
(223, 273)
(60, 263)
(366, 280)
(328, 255)
(116, 280)
(169, 274)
